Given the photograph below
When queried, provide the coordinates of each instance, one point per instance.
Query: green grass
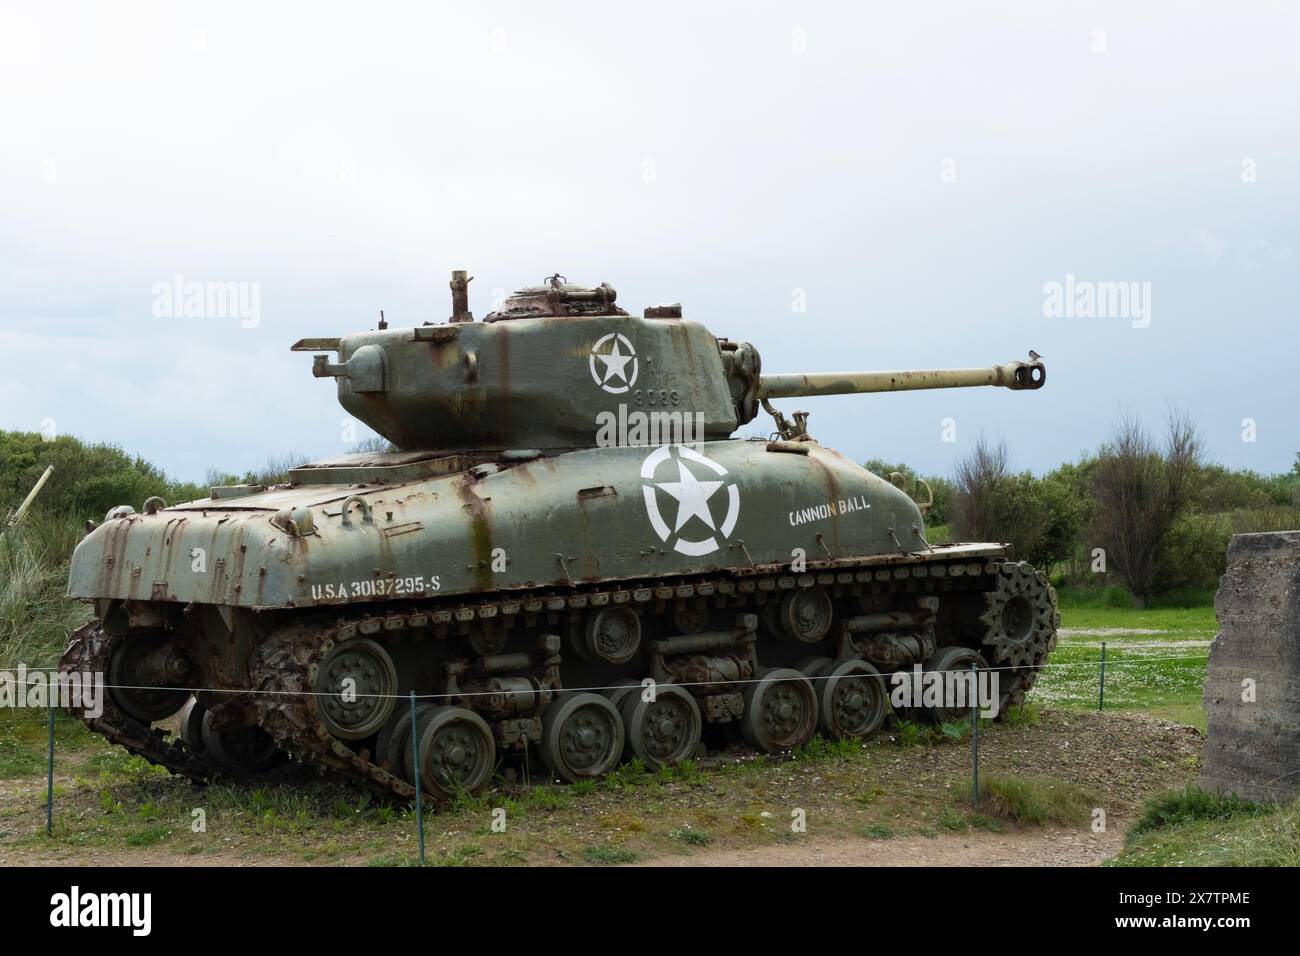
(607, 855)
(691, 837)
(117, 804)
(18, 759)
(1139, 675)
(951, 820)
(1177, 622)
(1190, 804)
(1194, 828)
(148, 835)
(1117, 597)
(24, 741)
(1028, 801)
(35, 617)
(959, 821)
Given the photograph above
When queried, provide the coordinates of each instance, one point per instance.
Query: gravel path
(1041, 848)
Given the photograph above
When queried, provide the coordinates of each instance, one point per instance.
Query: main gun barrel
(1015, 375)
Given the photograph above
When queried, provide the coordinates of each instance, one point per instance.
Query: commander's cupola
(557, 297)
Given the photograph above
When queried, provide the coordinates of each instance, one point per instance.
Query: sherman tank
(567, 556)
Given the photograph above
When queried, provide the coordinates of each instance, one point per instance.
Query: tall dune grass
(35, 616)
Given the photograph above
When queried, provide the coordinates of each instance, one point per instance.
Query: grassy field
(1155, 661)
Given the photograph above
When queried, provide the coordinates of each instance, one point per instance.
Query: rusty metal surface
(557, 297)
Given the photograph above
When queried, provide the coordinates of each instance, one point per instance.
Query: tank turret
(548, 368)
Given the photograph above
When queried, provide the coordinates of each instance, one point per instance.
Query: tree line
(1146, 511)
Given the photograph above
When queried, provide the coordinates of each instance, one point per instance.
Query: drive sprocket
(1019, 623)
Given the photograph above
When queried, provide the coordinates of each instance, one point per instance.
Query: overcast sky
(916, 174)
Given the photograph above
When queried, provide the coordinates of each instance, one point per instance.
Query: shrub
(1141, 492)
(1192, 803)
(1032, 801)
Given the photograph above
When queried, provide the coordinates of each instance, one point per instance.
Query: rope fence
(597, 688)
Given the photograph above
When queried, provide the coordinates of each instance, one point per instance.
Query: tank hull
(584, 516)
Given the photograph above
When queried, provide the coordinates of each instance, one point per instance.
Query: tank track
(88, 651)
(284, 666)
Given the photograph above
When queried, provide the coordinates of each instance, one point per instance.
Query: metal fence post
(974, 738)
(49, 780)
(1101, 686)
(419, 783)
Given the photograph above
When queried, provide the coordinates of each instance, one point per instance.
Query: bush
(87, 480)
(1142, 490)
(1031, 801)
(1039, 517)
(1219, 489)
(1272, 518)
(1194, 553)
(1192, 803)
(941, 488)
(35, 617)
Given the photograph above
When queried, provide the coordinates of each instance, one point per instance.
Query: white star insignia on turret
(618, 356)
(615, 363)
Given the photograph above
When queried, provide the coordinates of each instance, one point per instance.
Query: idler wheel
(457, 752)
(852, 700)
(780, 710)
(582, 736)
(664, 731)
(611, 635)
(356, 687)
(243, 749)
(955, 661)
(143, 675)
(806, 614)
